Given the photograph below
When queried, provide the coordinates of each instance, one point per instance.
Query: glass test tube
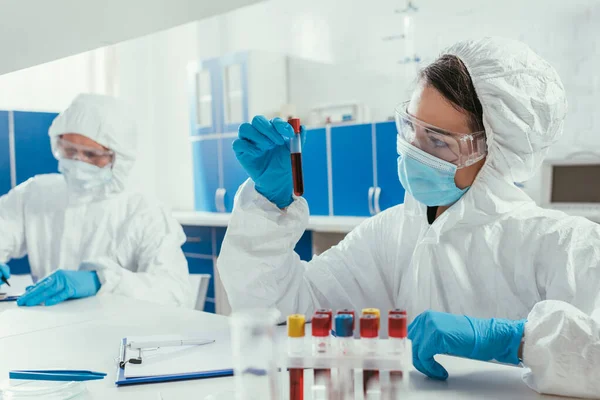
(344, 331)
(296, 156)
(295, 325)
(254, 351)
(397, 332)
(373, 311)
(350, 312)
(321, 328)
(369, 338)
(326, 311)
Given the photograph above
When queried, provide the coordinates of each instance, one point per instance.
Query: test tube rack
(387, 356)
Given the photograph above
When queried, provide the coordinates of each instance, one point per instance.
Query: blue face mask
(427, 178)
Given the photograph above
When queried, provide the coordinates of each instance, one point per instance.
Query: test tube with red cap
(321, 328)
(296, 155)
(369, 337)
(328, 312)
(397, 330)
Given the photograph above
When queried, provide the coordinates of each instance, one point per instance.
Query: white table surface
(85, 334)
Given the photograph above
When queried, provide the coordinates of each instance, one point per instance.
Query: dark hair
(449, 76)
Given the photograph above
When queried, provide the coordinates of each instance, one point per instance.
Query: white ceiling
(33, 32)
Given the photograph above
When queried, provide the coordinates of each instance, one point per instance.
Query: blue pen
(56, 375)
(5, 280)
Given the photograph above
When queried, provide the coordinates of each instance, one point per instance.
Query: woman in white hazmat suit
(471, 255)
(83, 231)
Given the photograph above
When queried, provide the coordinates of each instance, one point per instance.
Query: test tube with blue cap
(344, 330)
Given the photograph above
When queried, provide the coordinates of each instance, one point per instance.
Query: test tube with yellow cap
(296, 324)
(375, 312)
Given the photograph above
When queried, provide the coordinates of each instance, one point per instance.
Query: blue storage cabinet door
(198, 240)
(392, 192)
(220, 234)
(234, 91)
(5, 184)
(233, 172)
(33, 153)
(314, 167)
(304, 246)
(204, 89)
(352, 169)
(206, 173)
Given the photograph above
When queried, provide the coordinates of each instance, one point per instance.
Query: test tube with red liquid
(321, 328)
(369, 337)
(295, 325)
(397, 330)
(296, 154)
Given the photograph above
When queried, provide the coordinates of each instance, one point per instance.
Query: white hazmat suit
(494, 253)
(132, 243)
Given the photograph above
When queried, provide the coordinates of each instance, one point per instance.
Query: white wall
(52, 86)
(151, 75)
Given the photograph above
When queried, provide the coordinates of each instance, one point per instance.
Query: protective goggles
(68, 150)
(460, 149)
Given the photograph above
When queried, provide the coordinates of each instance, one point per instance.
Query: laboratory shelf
(315, 223)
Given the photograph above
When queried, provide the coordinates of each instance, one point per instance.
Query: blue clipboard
(121, 380)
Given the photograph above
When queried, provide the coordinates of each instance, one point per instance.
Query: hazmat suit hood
(105, 120)
(523, 100)
(524, 106)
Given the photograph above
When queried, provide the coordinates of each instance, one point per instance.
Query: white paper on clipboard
(180, 360)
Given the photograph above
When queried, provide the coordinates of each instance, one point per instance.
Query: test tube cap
(372, 311)
(397, 326)
(328, 312)
(348, 311)
(321, 325)
(369, 326)
(344, 325)
(397, 311)
(295, 123)
(295, 324)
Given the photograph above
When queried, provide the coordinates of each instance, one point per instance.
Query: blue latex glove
(4, 272)
(263, 150)
(434, 333)
(61, 285)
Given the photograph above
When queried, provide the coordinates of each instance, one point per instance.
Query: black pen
(5, 280)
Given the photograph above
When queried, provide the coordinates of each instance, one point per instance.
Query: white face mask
(82, 176)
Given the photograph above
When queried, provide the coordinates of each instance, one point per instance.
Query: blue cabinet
(5, 184)
(204, 83)
(233, 172)
(206, 173)
(389, 191)
(200, 252)
(218, 94)
(352, 169)
(234, 100)
(33, 152)
(314, 167)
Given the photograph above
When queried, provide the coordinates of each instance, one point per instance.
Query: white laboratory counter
(85, 334)
(315, 223)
